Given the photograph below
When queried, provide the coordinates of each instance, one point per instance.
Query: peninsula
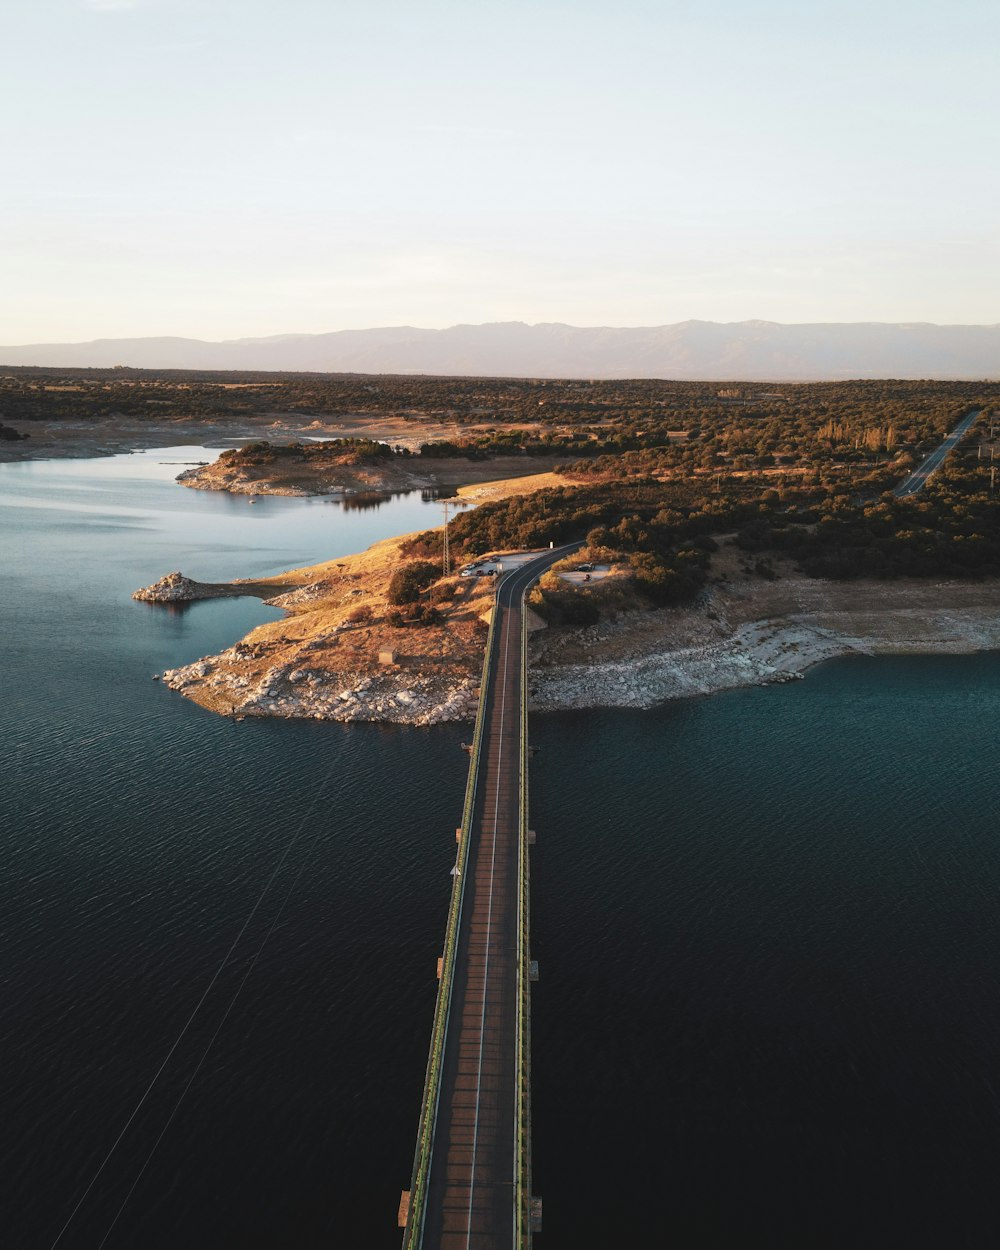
(344, 653)
(730, 538)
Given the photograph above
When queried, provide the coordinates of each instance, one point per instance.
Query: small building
(387, 657)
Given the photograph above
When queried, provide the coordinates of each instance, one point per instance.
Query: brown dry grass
(319, 631)
(486, 490)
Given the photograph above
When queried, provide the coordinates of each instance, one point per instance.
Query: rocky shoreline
(759, 653)
(640, 660)
(299, 691)
(343, 481)
(235, 482)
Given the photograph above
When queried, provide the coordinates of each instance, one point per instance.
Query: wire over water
(190, 1020)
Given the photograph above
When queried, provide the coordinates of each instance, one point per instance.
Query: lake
(767, 924)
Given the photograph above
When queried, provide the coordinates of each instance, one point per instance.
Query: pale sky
(222, 168)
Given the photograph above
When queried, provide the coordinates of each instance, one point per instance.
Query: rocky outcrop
(297, 690)
(759, 653)
(304, 595)
(176, 588)
(242, 482)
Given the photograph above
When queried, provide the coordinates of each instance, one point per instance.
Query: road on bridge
(918, 479)
(472, 1190)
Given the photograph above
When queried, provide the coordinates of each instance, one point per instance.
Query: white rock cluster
(759, 653)
(174, 588)
(755, 655)
(296, 690)
(303, 594)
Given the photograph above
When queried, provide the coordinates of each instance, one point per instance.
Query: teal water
(769, 936)
(767, 925)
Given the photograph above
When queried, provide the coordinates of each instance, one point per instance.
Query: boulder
(174, 588)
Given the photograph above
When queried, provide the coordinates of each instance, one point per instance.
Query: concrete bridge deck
(471, 1184)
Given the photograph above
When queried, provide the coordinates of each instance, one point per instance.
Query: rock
(304, 594)
(174, 588)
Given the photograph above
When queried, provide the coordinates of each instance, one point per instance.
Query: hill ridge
(693, 350)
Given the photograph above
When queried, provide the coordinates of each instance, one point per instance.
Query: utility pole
(446, 557)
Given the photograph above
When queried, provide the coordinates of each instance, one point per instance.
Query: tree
(409, 580)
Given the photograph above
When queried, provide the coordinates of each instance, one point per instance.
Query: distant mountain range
(689, 350)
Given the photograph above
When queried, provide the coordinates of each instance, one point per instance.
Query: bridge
(471, 1181)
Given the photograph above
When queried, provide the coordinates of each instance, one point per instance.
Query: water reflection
(208, 535)
(369, 500)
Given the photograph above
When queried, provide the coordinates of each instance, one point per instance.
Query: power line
(446, 559)
(205, 1053)
(190, 1020)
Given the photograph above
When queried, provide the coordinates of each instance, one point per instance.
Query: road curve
(918, 478)
(472, 1190)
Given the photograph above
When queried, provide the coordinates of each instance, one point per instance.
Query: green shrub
(409, 580)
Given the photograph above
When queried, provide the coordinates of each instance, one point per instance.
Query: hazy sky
(221, 168)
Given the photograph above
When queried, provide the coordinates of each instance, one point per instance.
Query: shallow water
(766, 922)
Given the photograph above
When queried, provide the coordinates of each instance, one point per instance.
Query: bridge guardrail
(522, 1227)
(413, 1236)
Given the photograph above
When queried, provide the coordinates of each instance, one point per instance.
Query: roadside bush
(408, 581)
(413, 614)
(444, 593)
(422, 546)
(566, 607)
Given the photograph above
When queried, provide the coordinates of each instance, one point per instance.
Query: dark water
(767, 922)
(138, 831)
(769, 935)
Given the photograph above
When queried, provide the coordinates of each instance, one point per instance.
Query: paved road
(918, 479)
(471, 1192)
